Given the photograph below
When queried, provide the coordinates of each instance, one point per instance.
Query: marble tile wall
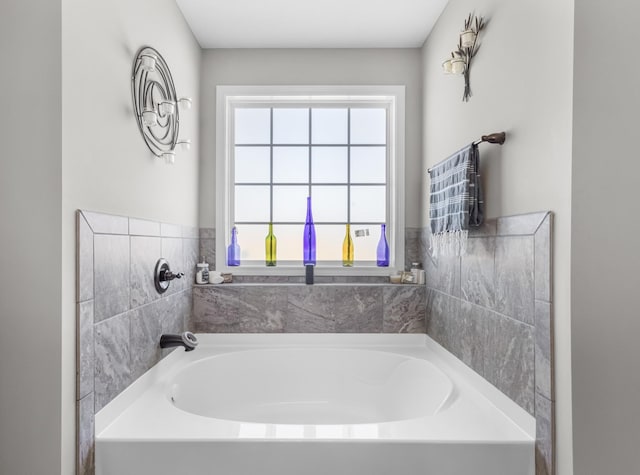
(366, 305)
(120, 315)
(412, 250)
(492, 308)
(318, 308)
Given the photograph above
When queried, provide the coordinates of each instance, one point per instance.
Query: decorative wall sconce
(156, 105)
(468, 46)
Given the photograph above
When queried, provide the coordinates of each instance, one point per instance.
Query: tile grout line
(480, 306)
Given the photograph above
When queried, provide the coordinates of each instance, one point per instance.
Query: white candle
(467, 38)
(149, 118)
(457, 66)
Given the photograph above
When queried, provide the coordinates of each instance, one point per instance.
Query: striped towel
(455, 202)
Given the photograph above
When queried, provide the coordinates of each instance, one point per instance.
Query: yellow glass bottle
(347, 249)
(270, 244)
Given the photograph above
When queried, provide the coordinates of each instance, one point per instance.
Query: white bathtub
(313, 405)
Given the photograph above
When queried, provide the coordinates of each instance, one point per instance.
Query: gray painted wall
(522, 83)
(312, 67)
(106, 165)
(605, 229)
(30, 201)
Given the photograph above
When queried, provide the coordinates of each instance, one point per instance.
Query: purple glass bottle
(309, 238)
(382, 253)
(233, 251)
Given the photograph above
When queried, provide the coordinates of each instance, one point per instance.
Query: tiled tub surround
(492, 308)
(239, 408)
(120, 316)
(281, 304)
(299, 308)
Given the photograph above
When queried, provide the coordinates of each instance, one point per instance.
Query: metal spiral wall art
(156, 105)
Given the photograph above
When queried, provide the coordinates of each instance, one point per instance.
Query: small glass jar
(418, 273)
(202, 273)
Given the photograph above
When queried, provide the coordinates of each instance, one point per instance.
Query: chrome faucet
(186, 339)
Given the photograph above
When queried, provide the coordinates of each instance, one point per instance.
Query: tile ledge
(302, 284)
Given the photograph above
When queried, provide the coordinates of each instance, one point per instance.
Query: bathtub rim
(452, 367)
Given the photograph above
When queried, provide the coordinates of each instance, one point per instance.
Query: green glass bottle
(270, 244)
(347, 249)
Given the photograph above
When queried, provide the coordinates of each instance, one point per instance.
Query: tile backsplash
(492, 308)
(299, 308)
(360, 304)
(120, 315)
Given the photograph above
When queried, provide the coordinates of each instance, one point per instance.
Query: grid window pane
(341, 161)
(291, 126)
(368, 126)
(368, 204)
(251, 203)
(329, 126)
(251, 242)
(365, 247)
(290, 203)
(329, 164)
(291, 164)
(252, 164)
(368, 164)
(329, 203)
(289, 237)
(329, 240)
(252, 126)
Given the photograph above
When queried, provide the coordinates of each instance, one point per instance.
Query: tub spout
(186, 339)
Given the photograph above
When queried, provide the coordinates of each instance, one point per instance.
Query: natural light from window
(337, 151)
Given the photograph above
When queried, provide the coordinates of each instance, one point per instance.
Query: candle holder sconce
(468, 46)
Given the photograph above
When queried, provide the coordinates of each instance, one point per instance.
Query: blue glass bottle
(309, 238)
(382, 253)
(233, 251)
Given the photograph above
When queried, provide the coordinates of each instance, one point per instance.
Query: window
(342, 146)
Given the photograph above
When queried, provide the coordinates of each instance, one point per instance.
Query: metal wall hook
(162, 276)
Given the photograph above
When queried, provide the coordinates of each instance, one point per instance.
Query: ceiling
(311, 24)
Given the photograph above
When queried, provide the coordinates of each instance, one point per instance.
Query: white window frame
(227, 96)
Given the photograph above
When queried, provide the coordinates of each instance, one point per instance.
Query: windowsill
(297, 271)
(302, 284)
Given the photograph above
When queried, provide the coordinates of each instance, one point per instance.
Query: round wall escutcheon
(162, 266)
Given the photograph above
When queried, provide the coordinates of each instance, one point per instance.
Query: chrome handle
(167, 276)
(163, 275)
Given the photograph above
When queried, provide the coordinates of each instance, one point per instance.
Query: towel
(455, 202)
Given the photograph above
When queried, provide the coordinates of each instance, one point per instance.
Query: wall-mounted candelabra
(156, 105)
(468, 46)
